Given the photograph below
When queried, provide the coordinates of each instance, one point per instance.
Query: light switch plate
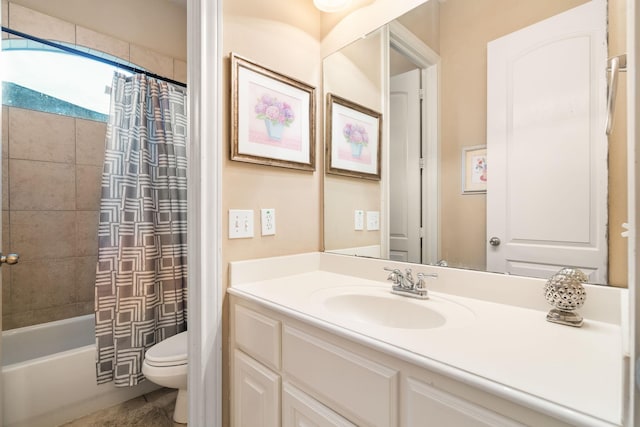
(240, 223)
(268, 221)
(373, 220)
(359, 219)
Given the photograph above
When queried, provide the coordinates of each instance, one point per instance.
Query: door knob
(494, 241)
(9, 259)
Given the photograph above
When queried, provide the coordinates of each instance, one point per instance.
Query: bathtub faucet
(403, 284)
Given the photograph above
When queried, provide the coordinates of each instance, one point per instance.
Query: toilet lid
(169, 352)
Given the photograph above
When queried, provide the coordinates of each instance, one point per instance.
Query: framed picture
(352, 139)
(273, 117)
(474, 169)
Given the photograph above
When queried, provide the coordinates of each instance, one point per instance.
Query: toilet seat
(170, 352)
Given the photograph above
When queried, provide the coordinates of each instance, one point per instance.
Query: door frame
(204, 212)
(405, 42)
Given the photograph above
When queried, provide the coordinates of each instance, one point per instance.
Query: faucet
(403, 284)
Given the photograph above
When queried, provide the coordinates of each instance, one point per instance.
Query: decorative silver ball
(564, 289)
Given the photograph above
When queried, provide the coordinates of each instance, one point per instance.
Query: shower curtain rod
(91, 56)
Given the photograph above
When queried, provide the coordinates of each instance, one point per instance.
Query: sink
(384, 311)
(377, 306)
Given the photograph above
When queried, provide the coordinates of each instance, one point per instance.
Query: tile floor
(154, 409)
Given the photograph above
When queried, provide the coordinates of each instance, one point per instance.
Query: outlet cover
(240, 224)
(359, 219)
(373, 220)
(268, 221)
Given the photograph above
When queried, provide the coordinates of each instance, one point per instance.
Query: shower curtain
(141, 272)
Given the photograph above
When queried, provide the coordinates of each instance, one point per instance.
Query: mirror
(449, 59)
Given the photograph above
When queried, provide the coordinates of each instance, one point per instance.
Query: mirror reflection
(494, 155)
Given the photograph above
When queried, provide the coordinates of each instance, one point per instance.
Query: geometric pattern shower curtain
(141, 273)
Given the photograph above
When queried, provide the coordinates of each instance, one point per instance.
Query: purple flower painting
(355, 134)
(277, 112)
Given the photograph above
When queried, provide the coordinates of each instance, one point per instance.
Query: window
(43, 78)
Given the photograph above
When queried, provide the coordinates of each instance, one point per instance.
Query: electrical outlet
(268, 221)
(373, 220)
(359, 220)
(240, 224)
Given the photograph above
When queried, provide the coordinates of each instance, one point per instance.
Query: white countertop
(575, 374)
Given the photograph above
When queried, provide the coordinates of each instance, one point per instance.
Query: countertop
(574, 374)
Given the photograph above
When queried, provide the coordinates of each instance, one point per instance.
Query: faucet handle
(394, 275)
(420, 283)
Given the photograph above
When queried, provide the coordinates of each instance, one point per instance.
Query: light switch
(373, 220)
(359, 220)
(240, 223)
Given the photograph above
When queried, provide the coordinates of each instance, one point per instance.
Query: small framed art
(272, 117)
(352, 139)
(474, 169)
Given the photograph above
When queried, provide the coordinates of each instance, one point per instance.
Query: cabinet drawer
(258, 336)
(361, 389)
(426, 405)
(301, 410)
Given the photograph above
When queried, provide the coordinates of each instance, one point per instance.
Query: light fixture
(330, 6)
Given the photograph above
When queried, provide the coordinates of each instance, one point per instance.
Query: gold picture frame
(474, 169)
(353, 135)
(272, 117)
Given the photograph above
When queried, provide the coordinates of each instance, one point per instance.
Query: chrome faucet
(403, 284)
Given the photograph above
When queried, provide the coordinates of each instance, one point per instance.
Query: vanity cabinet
(292, 372)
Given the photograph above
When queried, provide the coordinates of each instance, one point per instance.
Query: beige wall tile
(43, 234)
(17, 320)
(34, 135)
(52, 281)
(49, 314)
(88, 187)
(21, 289)
(6, 235)
(101, 42)
(5, 183)
(5, 15)
(87, 233)
(40, 25)
(152, 61)
(5, 131)
(41, 185)
(90, 138)
(5, 157)
(180, 70)
(83, 308)
(7, 307)
(85, 279)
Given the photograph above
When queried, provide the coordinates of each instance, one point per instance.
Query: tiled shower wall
(51, 168)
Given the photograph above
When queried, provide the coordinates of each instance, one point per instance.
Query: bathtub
(48, 374)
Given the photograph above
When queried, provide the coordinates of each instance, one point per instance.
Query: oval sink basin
(385, 311)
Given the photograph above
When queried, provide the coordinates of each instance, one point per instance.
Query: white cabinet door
(256, 393)
(427, 406)
(546, 146)
(301, 410)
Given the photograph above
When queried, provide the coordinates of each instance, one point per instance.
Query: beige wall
(286, 43)
(282, 36)
(618, 246)
(354, 73)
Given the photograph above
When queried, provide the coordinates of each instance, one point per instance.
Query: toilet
(165, 364)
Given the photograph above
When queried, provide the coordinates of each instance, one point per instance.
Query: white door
(404, 167)
(546, 146)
